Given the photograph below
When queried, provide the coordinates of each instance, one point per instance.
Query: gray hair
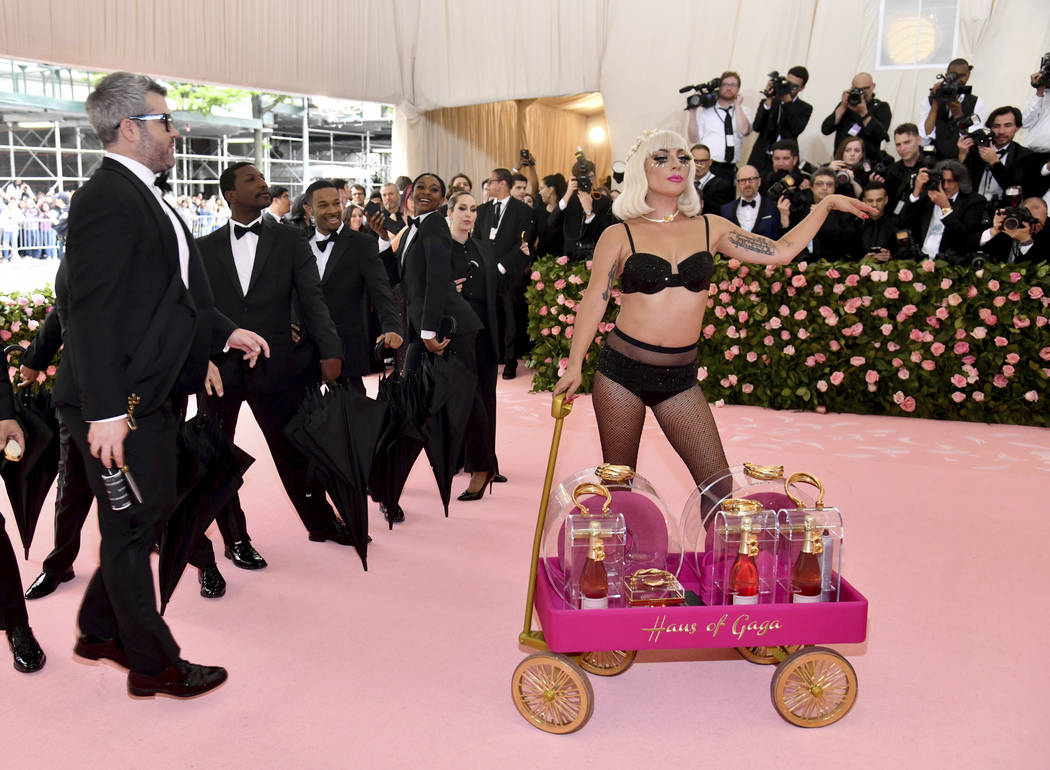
(962, 176)
(117, 96)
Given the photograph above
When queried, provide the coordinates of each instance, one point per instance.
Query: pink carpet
(410, 663)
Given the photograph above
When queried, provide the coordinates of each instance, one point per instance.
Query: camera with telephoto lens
(950, 89)
(779, 86)
(1042, 80)
(1015, 217)
(705, 94)
(855, 97)
(982, 137)
(579, 172)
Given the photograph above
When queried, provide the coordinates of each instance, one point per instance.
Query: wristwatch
(946, 210)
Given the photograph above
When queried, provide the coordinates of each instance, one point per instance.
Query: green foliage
(897, 338)
(20, 317)
(193, 97)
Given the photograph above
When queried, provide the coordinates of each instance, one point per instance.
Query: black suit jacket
(517, 219)
(355, 274)
(960, 226)
(130, 324)
(999, 247)
(1007, 172)
(579, 237)
(483, 279)
(7, 400)
(427, 281)
(874, 234)
(717, 192)
(768, 222)
(284, 268)
(874, 133)
(786, 120)
(45, 344)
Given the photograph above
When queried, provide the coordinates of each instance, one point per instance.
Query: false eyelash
(660, 159)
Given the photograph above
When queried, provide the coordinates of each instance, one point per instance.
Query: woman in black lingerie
(662, 254)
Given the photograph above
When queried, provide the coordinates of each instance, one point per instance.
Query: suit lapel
(224, 255)
(342, 243)
(168, 238)
(262, 252)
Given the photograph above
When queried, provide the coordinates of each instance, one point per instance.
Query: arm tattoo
(609, 286)
(755, 243)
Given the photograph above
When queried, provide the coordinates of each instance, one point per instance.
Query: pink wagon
(811, 687)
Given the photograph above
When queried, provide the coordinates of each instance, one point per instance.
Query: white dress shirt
(931, 246)
(924, 110)
(747, 216)
(711, 130)
(1036, 119)
(244, 252)
(425, 334)
(322, 256)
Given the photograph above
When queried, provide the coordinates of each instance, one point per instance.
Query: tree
(191, 97)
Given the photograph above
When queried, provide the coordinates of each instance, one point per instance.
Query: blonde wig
(631, 202)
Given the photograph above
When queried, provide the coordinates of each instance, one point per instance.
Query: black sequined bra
(649, 273)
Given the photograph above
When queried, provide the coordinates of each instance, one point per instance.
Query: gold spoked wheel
(606, 662)
(767, 656)
(552, 693)
(814, 687)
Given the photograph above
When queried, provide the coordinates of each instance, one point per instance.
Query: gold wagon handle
(587, 488)
(805, 478)
(764, 472)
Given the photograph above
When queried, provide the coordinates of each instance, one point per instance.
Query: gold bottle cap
(739, 505)
(617, 474)
(764, 472)
(597, 552)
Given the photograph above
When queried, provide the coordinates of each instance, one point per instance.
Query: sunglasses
(169, 121)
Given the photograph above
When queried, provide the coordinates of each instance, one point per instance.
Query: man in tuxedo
(715, 191)
(507, 225)
(257, 269)
(14, 619)
(869, 118)
(943, 219)
(752, 211)
(941, 125)
(876, 235)
(351, 275)
(391, 196)
(995, 167)
(912, 157)
(780, 117)
(138, 324)
(1027, 242)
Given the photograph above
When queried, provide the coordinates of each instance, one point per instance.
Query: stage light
(597, 135)
(911, 39)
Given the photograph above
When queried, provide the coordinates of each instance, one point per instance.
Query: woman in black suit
(474, 268)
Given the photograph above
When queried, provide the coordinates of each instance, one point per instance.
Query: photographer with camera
(950, 100)
(991, 156)
(942, 212)
(714, 191)
(851, 169)
(1018, 234)
(837, 235)
(1037, 113)
(720, 122)
(582, 214)
(781, 114)
(859, 113)
(913, 156)
(877, 235)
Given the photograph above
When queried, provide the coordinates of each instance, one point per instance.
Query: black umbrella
(337, 430)
(29, 480)
(211, 469)
(450, 405)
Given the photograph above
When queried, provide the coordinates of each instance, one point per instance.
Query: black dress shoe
(181, 679)
(213, 585)
(100, 648)
(510, 371)
(336, 531)
(499, 478)
(46, 583)
(243, 555)
(27, 653)
(392, 517)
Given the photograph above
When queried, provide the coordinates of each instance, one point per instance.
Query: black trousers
(73, 499)
(12, 603)
(514, 317)
(272, 411)
(479, 443)
(119, 602)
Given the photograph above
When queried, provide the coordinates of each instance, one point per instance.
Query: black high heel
(468, 496)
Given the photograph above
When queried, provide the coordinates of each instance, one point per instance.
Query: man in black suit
(867, 117)
(351, 275)
(257, 269)
(581, 216)
(507, 225)
(715, 191)
(752, 211)
(943, 219)
(1025, 242)
(138, 324)
(941, 125)
(14, 619)
(782, 116)
(995, 167)
(877, 235)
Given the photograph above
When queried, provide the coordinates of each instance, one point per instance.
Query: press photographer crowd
(960, 188)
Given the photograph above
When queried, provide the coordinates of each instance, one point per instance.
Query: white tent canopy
(425, 55)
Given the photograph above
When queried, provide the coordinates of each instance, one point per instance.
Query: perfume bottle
(743, 577)
(594, 581)
(805, 575)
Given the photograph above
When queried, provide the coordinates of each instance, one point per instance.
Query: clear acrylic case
(582, 528)
(822, 526)
(744, 537)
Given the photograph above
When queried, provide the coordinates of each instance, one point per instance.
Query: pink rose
(774, 323)
(720, 403)
(919, 287)
(1020, 322)
(33, 324)
(701, 374)
(857, 361)
(960, 334)
(908, 404)
(544, 310)
(915, 356)
(559, 284)
(903, 374)
(555, 330)
(998, 301)
(946, 283)
(563, 260)
(942, 313)
(971, 291)
(915, 335)
(720, 312)
(1008, 370)
(563, 363)
(5, 335)
(977, 396)
(775, 287)
(539, 286)
(1012, 358)
(1015, 277)
(881, 312)
(832, 273)
(979, 333)
(789, 350)
(802, 334)
(1035, 292)
(993, 285)
(589, 264)
(751, 356)
(954, 299)
(798, 281)
(865, 270)
(50, 371)
(886, 329)
(734, 264)
(747, 387)
(928, 265)
(1044, 353)
(1031, 396)
(822, 386)
(971, 359)
(709, 330)
(838, 288)
(961, 348)
(837, 378)
(784, 310)
(1000, 342)
(535, 275)
(890, 346)
(785, 335)
(958, 380)
(16, 327)
(958, 397)
(834, 346)
(896, 362)
(810, 361)
(742, 316)
(853, 279)
(905, 275)
(1000, 381)
(937, 348)
(898, 397)
(732, 379)
(768, 340)
(568, 332)
(928, 364)
(729, 355)
(871, 377)
(1041, 321)
(545, 332)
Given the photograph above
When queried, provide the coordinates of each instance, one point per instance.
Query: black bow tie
(239, 230)
(162, 182)
(323, 243)
(749, 203)
(413, 221)
(1002, 152)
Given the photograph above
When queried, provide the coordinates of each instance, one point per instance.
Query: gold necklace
(661, 220)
